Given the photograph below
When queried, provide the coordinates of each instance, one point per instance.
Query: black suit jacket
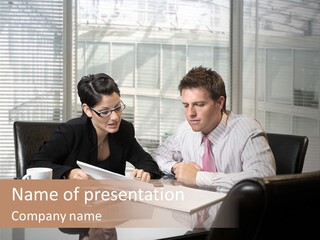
(77, 140)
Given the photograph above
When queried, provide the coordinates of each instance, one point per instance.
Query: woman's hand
(141, 175)
(77, 173)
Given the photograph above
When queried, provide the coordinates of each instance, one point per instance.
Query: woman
(99, 137)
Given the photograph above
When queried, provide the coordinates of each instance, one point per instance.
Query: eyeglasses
(108, 112)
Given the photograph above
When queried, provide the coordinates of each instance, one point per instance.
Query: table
(131, 219)
(161, 223)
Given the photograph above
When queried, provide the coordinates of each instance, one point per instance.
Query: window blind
(281, 73)
(31, 58)
(147, 47)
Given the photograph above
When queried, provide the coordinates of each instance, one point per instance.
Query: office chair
(289, 152)
(28, 137)
(278, 207)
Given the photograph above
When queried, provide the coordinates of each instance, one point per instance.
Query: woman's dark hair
(201, 77)
(91, 88)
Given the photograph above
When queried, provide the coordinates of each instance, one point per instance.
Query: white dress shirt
(239, 146)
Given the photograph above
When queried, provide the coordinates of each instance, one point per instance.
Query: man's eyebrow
(194, 103)
(198, 102)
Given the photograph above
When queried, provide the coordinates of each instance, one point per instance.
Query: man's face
(202, 113)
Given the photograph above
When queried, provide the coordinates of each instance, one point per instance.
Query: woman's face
(105, 124)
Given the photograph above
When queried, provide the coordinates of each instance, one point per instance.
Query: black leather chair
(289, 152)
(278, 207)
(28, 137)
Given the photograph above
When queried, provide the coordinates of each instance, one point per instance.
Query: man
(237, 147)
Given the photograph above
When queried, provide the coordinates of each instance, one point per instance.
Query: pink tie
(208, 163)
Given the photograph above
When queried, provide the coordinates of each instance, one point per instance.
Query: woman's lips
(112, 125)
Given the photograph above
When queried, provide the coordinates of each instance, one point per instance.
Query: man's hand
(186, 172)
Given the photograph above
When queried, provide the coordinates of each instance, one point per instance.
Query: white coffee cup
(38, 173)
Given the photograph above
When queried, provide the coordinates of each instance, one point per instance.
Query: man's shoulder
(243, 122)
(184, 131)
(241, 119)
(184, 127)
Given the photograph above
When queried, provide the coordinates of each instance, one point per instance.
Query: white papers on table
(184, 198)
(99, 173)
(176, 197)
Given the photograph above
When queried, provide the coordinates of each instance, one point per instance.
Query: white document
(127, 183)
(184, 198)
(99, 173)
(176, 197)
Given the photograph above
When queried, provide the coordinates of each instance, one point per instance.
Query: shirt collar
(215, 135)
